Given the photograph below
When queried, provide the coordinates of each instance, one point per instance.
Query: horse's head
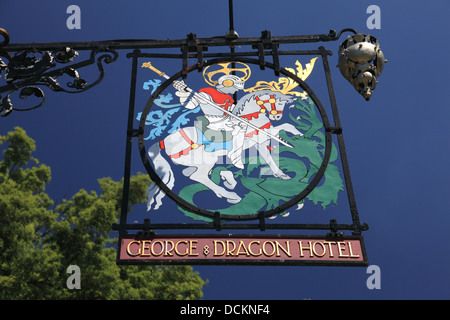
(265, 102)
(274, 103)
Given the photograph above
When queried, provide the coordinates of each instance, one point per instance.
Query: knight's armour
(222, 99)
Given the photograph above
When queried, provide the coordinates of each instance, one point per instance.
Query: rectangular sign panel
(243, 250)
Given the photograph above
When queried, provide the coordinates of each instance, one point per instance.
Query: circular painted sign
(225, 148)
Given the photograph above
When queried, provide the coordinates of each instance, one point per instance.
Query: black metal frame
(265, 47)
(25, 72)
(242, 57)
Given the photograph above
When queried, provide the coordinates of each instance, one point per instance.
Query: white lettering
(197, 310)
(74, 281)
(246, 309)
(74, 20)
(374, 21)
(374, 281)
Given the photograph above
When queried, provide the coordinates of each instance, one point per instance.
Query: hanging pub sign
(234, 142)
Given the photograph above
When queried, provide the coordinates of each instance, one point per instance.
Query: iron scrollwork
(27, 70)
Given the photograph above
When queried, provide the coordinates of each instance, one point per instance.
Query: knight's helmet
(227, 77)
(229, 83)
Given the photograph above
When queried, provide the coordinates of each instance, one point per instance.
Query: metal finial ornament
(361, 62)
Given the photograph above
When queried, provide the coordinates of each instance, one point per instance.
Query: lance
(199, 97)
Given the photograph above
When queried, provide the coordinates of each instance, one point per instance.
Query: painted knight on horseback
(218, 125)
(225, 129)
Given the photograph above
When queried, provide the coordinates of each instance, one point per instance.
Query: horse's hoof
(234, 200)
(283, 176)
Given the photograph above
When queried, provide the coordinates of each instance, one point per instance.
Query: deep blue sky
(397, 143)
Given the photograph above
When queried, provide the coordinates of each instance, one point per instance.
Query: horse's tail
(163, 170)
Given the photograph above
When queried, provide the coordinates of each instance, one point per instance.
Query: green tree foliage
(39, 240)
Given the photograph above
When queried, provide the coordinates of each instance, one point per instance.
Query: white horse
(199, 149)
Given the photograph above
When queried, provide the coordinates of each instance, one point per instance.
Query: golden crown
(217, 70)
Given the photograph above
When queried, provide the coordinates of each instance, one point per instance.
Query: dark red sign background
(224, 249)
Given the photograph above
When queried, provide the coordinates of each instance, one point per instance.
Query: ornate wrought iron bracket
(29, 69)
(36, 65)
